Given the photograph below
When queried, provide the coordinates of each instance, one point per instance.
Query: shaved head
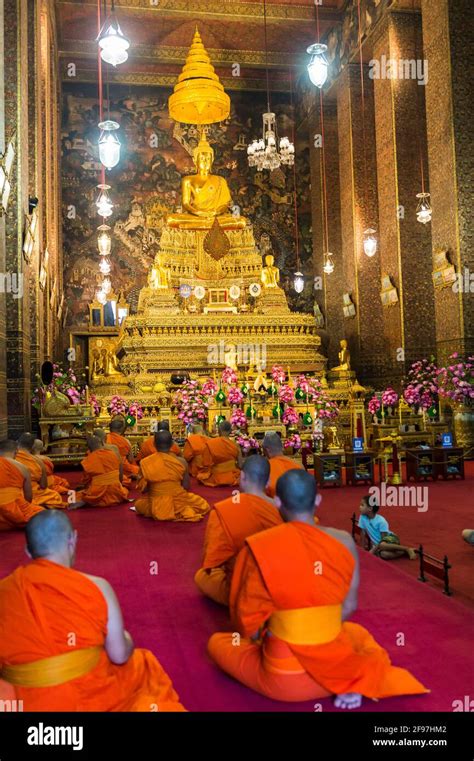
(93, 443)
(197, 428)
(257, 470)
(163, 425)
(100, 433)
(297, 490)
(272, 443)
(37, 446)
(225, 427)
(117, 425)
(26, 440)
(163, 441)
(48, 533)
(8, 446)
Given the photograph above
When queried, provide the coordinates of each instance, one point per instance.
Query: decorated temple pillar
(405, 243)
(448, 40)
(363, 321)
(3, 358)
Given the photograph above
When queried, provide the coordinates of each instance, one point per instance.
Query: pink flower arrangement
(290, 416)
(374, 405)
(286, 394)
(229, 376)
(293, 441)
(118, 406)
(190, 402)
(420, 388)
(238, 418)
(136, 410)
(325, 408)
(235, 395)
(278, 374)
(209, 387)
(456, 381)
(247, 442)
(64, 381)
(389, 397)
(318, 436)
(94, 402)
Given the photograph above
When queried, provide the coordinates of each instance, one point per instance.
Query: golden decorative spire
(198, 96)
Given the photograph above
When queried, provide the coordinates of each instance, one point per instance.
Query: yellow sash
(10, 494)
(164, 488)
(307, 626)
(112, 477)
(224, 467)
(49, 672)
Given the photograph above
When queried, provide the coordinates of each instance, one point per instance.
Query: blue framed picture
(447, 440)
(358, 444)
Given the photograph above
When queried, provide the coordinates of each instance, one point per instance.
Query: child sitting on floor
(385, 543)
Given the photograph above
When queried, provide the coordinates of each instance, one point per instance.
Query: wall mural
(146, 187)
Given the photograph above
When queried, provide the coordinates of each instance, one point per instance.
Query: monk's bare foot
(129, 500)
(75, 505)
(411, 554)
(133, 508)
(348, 700)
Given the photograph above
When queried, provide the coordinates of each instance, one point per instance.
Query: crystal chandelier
(424, 210)
(112, 42)
(104, 205)
(268, 152)
(298, 282)
(105, 266)
(104, 241)
(109, 144)
(328, 266)
(318, 64)
(370, 242)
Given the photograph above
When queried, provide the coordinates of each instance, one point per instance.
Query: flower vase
(463, 424)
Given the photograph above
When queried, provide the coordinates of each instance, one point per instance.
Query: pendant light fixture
(318, 64)
(112, 42)
(109, 144)
(104, 205)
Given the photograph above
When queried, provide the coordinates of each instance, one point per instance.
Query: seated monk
(101, 434)
(16, 495)
(230, 523)
(279, 463)
(103, 476)
(63, 646)
(148, 446)
(296, 643)
(54, 482)
(164, 481)
(193, 449)
(42, 493)
(221, 459)
(130, 469)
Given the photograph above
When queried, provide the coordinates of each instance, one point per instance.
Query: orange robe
(279, 465)
(306, 651)
(192, 452)
(124, 447)
(15, 511)
(219, 463)
(229, 525)
(148, 447)
(41, 606)
(164, 498)
(101, 470)
(48, 496)
(55, 482)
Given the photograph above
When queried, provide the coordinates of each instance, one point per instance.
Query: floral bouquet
(420, 389)
(389, 397)
(136, 410)
(209, 387)
(286, 394)
(290, 416)
(191, 402)
(118, 406)
(94, 402)
(247, 442)
(235, 395)
(374, 405)
(229, 376)
(278, 374)
(65, 382)
(238, 418)
(293, 441)
(456, 381)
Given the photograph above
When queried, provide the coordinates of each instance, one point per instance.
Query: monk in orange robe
(103, 476)
(42, 493)
(221, 459)
(230, 522)
(116, 437)
(164, 481)
(279, 463)
(61, 485)
(148, 446)
(193, 449)
(63, 646)
(16, 507)
(293, 589)
(101, 434)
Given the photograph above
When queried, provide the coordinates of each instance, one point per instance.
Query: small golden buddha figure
(270, 276)
(159, 276)
(344, 358)
(110, 363)
(260, 382)
(205, 195)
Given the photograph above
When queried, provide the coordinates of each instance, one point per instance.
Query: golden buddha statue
(205, 196)
(270, 276)
(344, 358)
(159, 276)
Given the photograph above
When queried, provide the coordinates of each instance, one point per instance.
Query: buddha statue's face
(344, 344)
(204, 162)
(269, 259)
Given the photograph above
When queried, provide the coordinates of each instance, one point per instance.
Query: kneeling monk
(63, 646)
(116, 437)
(279, 463)
(299, 645)
(148, 446)
(230, 523)
(54, 482)
(42, 493)
(103, 476)
(221, 459)
(164, 480)
(16, 494)
(193, 449)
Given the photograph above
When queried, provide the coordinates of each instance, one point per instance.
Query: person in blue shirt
(384, 542)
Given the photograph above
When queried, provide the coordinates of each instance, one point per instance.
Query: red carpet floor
(165, 612)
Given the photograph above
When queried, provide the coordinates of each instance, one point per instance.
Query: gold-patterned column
(405, 243)
(358, 200)
(3, 345)
(448, 43)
